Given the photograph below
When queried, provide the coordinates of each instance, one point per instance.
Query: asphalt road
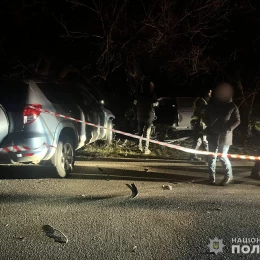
(94, 209)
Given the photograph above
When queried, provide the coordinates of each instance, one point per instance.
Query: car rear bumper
(23, 157)
(36, 143)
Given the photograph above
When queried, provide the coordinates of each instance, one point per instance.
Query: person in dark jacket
(197, 124)
(145, 103)
(255, 173)
(221, 118)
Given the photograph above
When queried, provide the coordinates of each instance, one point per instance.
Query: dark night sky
(228, 42)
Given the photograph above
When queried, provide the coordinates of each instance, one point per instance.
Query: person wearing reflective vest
(197, 124)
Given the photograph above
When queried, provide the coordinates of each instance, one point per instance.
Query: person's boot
(206, 159)
(195, 158)
(147, 151)
(212, 180)
(227, 180)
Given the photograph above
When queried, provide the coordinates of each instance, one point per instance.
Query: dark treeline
(112, 44)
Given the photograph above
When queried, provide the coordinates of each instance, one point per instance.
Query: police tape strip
(14, 148)
(173, 146)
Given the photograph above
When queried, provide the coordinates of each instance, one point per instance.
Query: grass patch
(129, 148)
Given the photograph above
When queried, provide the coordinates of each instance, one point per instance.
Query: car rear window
(59, 93)
(13, 92)
(65, 93)
(185, 103)
(168, 101)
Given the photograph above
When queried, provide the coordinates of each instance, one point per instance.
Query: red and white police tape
(177, 147)
(14, 148)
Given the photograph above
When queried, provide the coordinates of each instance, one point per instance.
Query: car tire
(64, 157)
(110, 134)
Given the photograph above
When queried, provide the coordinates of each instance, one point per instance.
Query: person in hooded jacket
(145, 102)
(199, 137)
(221, 118)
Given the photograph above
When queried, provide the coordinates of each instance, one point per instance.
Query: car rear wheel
(110, 134)
(4, 124)
(64, 157)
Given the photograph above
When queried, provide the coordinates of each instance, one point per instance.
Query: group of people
(214, 119)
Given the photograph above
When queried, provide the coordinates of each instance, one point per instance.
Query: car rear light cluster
(30, 114)
(28, 154)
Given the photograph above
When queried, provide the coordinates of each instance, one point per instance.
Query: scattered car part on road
(167, 187)
(21, 238)
(134, 190)
(134, 249)
(54, 233)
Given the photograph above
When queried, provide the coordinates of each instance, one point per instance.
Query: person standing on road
(255, 173)
(145, 102)
(197, 124)
(221, 118)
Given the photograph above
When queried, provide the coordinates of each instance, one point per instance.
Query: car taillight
(30, 114)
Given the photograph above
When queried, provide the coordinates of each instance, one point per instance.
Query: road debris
(134, 249)
(54, 233)
(134, 190)
(216, 209)
(146, 169)
(167, 187)
(21, 238)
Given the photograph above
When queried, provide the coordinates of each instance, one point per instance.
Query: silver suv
(51, 140)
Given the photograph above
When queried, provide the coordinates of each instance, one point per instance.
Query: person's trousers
(199, 139)
(255, 173)
(144, 130)
(215, 148)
